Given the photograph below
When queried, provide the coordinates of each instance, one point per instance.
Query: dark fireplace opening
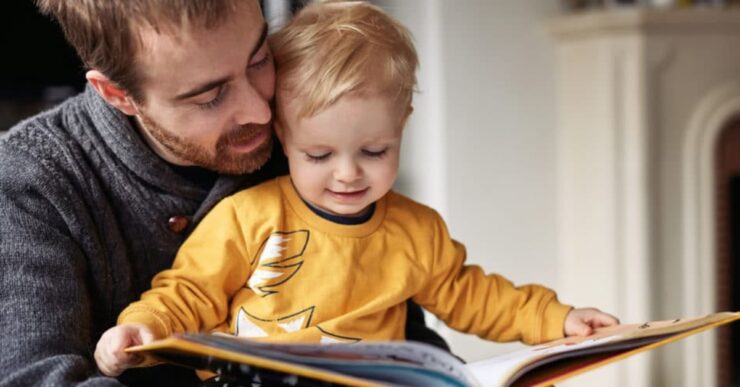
(734, 245)
(728, 250)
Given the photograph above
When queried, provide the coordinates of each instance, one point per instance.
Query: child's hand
(110, 355)
(583, 321)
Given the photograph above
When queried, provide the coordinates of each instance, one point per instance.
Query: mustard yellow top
(263, 264)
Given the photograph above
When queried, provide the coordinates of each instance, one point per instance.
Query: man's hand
(110, 355)
(583, 321)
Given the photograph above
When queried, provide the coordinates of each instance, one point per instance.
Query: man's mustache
(243, 133)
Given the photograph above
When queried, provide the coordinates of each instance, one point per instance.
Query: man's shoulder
(38, 146)
(43, 134)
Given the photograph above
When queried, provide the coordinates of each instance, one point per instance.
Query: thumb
(605, 320)
(146, 336)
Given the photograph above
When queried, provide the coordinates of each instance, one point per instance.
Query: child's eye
(318, 158)
(374, 154)
(213, 103)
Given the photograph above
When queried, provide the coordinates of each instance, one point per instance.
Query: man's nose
(252, 107)
(347, 171)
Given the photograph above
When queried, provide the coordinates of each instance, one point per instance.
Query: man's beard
(222, 160)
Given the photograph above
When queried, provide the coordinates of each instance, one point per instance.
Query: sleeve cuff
(553, 321)
(147, 317)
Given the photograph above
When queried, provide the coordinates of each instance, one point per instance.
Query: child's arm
(583, 321)
(194, 295)
(110, 356)
(490, 306)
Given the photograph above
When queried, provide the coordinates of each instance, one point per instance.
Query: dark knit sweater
(84, 207)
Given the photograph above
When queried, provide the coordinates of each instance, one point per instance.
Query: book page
(496, 371)
(366, 359)
(502, 370)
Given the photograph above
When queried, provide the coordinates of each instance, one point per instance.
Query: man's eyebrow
(201, 89)
(218, 82)
(260, 41)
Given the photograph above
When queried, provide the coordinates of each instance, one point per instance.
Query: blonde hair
(331, 49)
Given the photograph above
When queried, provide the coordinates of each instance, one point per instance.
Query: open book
(415, 364)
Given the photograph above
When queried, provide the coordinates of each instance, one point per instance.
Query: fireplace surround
(643, 96)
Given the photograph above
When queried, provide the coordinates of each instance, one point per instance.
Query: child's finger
(579, 328)
(110, 353)
(120, 361)
(102, 361)
(102, 354)
(107, 362)
(602, 319)
(584, 329)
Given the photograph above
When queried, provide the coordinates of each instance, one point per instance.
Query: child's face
(345, 157)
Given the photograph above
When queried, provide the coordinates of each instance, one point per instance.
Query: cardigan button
(177, 223)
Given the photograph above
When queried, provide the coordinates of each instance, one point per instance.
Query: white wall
(481, 144)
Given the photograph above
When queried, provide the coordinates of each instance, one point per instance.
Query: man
(98, 194)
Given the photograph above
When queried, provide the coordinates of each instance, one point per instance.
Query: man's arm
(417, 329)
(45, 302)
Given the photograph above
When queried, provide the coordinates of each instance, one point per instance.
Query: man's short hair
(105, 32)
(331, 49)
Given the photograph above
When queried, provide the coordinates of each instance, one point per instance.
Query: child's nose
(347, 171)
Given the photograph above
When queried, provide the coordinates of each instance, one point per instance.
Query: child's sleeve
(210, 267)
(487, 305)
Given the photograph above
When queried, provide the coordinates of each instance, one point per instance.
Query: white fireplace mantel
(642, 95)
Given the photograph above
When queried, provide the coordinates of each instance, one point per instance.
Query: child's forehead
(350, 119)
(293, 105)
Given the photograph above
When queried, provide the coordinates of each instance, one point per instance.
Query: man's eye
(374, 154)
(264, 54)
(317, 158)
(261, 63)
(215, 101)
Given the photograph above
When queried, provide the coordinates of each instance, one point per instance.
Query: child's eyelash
(319, 158)
(374, 154)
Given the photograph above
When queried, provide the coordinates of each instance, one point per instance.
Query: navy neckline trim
(345, 220)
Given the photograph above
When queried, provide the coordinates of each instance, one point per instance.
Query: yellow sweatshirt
(264, 264)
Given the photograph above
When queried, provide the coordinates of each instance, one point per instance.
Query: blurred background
(38, 69)
(590, 146)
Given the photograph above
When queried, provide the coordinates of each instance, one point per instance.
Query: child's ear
(111, 92)
(406, 115)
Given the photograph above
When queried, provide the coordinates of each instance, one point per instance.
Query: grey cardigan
(84, 210)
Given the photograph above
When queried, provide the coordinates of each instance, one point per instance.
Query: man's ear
(110, 92)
